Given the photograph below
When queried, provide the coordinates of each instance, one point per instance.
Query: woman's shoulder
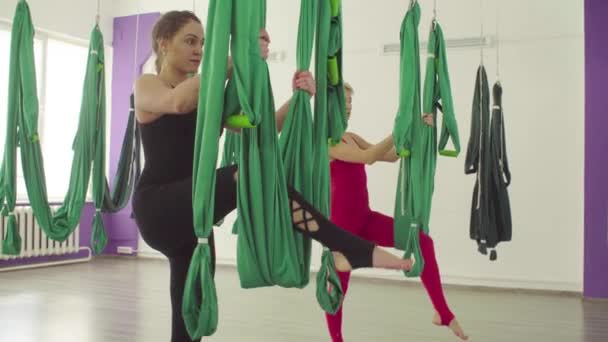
(147, 78)
(145, 81)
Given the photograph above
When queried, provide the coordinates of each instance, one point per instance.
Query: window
(65, 71)
(60, 72)
(5, 45)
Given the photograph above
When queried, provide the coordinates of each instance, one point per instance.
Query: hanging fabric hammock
(336, 101)
(329, 126)
(416, 141)
(267, 246)
(296, 137)
(22, 130)
(267, 252)
(501, 174)
(438, 93)
(437, 97)
(297, 152)
(487, 159)
(410, 145)
(199, 307)
(330, 108)
(129, 168)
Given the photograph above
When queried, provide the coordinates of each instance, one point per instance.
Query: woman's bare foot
(381, 259)
(437, 319)
(384, 259)
(454, 326)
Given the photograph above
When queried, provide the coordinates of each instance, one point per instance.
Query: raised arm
(154, 97)
(301, 80)
(355, 154)
(390, 156)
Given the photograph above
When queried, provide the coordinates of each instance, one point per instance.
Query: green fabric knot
(12, 241)
(329, 289)
(99, 237)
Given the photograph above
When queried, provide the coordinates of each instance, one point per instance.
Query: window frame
(41, 78)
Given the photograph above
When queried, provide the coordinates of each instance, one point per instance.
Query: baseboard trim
(520, 285)
(451, 281)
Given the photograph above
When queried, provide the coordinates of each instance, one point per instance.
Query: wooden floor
(116, 299)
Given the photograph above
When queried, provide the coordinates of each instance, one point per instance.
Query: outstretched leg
(432, 282)
(380, 230)
(350, 251)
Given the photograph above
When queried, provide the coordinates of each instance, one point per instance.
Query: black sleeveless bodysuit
(162, 200)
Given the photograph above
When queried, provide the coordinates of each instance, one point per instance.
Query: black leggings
(164, 216)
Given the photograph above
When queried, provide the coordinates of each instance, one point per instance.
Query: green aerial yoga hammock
(22, 130)
(297, 151)
(296, 135)
(437, 88)
(267, 246)
(336, 103)
(329, 126)
(199, 307)
(407, 134)
(416, 140)
(486, 157)
(437, 97)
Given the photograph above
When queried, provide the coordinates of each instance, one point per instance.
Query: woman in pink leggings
(350, 210)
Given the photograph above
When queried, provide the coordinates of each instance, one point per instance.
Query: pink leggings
(379, 229)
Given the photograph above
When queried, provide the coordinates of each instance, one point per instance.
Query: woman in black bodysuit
(165, 106)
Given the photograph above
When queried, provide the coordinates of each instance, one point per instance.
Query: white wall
(542, 76)
(73, 18)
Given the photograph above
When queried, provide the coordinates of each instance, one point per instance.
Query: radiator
(34, 242)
